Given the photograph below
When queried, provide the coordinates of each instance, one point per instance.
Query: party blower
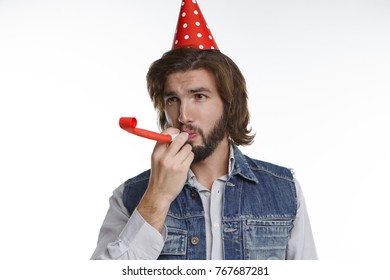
(130, 125)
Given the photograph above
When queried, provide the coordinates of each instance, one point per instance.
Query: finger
(183, 153)
(178, 143)
(188, 160)
(171, 130)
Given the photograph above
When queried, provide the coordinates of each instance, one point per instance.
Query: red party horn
(129, 124)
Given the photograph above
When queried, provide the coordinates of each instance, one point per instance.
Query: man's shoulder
(142, 177)
(134, 189)
(273, 169)
(139, 181)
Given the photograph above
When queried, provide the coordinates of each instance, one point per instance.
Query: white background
(318, 75)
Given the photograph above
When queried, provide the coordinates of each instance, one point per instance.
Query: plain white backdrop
(318, 76)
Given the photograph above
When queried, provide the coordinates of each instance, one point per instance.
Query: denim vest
(259, 207)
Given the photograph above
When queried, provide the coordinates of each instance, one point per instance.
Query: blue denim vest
(259, 207)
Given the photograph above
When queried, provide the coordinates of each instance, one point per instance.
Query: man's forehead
(197, 78)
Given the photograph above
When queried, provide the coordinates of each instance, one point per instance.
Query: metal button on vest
(194, 240)
(194, 194)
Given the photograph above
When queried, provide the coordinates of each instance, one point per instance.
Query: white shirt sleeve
(301, 244)
(124, 237)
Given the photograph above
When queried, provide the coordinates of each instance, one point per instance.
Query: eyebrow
(200, 89)
(167, 94)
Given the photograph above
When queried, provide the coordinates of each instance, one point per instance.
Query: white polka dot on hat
(192, 30)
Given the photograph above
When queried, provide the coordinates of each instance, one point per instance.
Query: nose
(184, 114)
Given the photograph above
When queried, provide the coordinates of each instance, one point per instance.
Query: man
(202, 198)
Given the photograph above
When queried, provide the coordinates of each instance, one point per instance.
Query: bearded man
(202, 198)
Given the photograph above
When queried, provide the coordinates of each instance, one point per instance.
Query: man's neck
(213, 167)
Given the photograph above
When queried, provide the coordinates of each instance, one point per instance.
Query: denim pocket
(266, 239)
(176, 242)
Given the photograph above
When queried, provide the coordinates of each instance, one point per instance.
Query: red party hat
(192, 29)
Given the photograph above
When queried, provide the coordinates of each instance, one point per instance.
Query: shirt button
(194, 240)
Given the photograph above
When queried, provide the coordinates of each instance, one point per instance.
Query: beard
(210, 142)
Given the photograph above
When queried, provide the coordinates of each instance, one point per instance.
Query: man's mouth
(191, 134)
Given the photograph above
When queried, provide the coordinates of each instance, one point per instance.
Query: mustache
(191, 127)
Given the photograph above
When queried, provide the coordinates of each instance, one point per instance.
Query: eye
(171, 100)
(200, 96)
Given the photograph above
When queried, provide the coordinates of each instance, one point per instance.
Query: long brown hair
(229, 81)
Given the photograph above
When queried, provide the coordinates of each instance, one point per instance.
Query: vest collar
(241, 166)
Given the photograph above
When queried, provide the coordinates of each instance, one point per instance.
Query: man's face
(193, 105)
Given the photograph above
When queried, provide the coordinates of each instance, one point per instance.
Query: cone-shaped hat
(192, 30)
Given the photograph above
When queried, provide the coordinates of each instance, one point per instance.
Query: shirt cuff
(145, 241)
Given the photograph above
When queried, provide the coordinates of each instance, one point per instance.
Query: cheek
(171, 117)
(214, 114)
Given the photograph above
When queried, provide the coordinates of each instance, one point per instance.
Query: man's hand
(170, 165)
